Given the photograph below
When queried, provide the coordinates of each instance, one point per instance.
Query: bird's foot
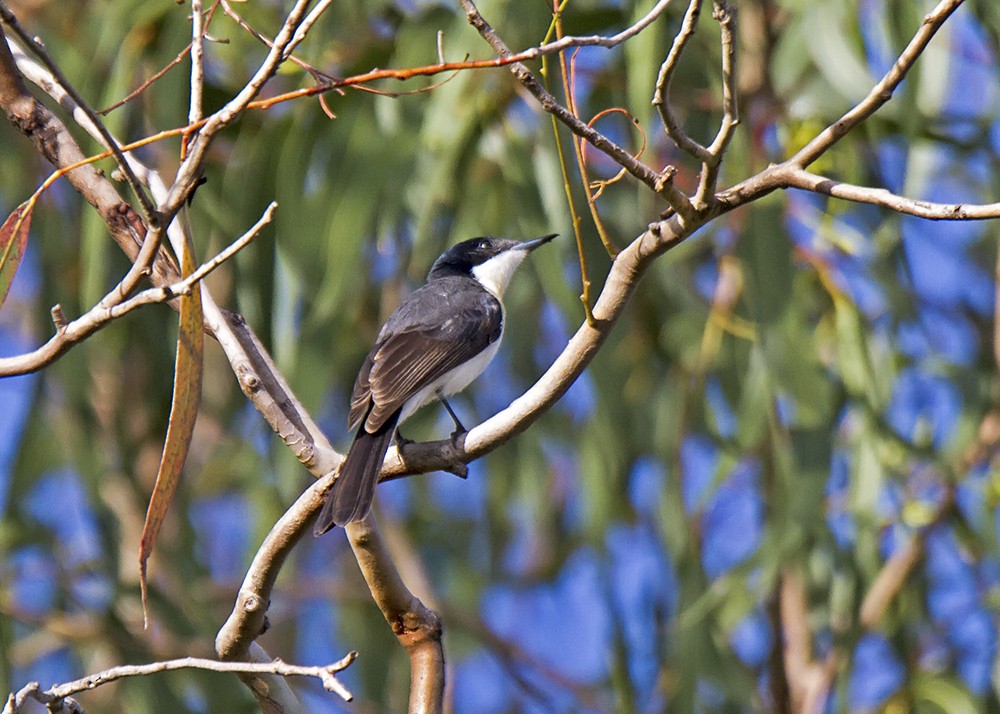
(401, 441)
(456, 465)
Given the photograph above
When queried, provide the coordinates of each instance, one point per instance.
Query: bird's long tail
(350, 498)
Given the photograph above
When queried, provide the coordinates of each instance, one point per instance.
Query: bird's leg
(459, 428)
(457, 467)
(401, 441)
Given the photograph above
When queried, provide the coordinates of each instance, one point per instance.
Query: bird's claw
(457, 466)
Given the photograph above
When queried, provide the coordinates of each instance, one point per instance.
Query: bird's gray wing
(416, 347)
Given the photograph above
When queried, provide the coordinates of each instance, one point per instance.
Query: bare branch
(114, 305)
(808, 680)
(792, 177)
(882, 91)
(318, 75)
(661, 96)
(726, 17)
(417, 628)
(247, 620)
(781, 175)
(303, 29)
(189, 172)
(11, 21)
(55, 143)
(146, 84)
(661, 183)
(889, 581)
(53, 695)
(197, 62)
(564, 43)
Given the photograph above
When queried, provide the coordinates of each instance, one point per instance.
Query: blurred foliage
(799, 387)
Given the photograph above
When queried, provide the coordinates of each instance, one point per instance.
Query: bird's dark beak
(530, 245)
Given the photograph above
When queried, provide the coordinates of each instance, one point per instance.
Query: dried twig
(54, 695)
(725, 15)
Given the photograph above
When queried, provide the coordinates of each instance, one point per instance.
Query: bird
(439, 339)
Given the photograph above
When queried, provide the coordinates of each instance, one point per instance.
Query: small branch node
(251, 603)
(58, 318)
(664, 178)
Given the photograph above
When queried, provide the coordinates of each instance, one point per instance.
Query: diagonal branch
(8, 18)
(782, 175)
(113, 306)
(661, 183)
(882, 91)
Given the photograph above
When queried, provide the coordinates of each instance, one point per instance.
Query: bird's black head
(463, 258)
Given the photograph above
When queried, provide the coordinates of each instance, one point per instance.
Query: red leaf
(13, 238)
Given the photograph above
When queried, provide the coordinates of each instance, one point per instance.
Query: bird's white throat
(495, 273)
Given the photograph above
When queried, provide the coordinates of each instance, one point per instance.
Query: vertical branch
(571, 106)
(197, 62)
(726, 17)
(417, 628)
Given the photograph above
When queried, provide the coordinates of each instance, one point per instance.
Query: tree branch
(417, 628)
(113, 306)
(792, 177)
(661, 96)
(787, 173)
(38, 48)
(53, 696)
(726, 17)
(661, 183)
(882, 91)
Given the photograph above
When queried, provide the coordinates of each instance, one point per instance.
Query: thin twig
(569, 81)
(318, 75)
(189, 172)
(578, 151)
(147, 83)
(54, 694)
(197, 62)
(725, 15)
(569, 41)
(661, 96)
